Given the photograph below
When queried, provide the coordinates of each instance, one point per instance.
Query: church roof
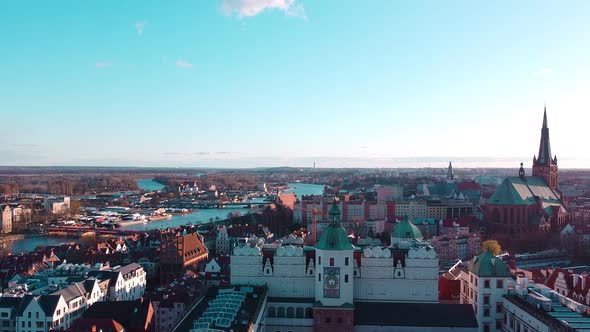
(442, 189)
(488, 265)
(522, 191)
(406, 230)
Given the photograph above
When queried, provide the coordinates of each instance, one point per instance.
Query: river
(149, 185)
(305, 189)
(199, 217)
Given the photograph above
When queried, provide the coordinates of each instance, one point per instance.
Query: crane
(314, 213)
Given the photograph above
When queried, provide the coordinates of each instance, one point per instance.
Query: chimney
(576, 279)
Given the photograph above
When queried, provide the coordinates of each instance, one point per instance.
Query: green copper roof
(334, 237)
(519, 191)
(406, 230)
(488, 265)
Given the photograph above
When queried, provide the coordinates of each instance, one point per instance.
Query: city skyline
(288, 83)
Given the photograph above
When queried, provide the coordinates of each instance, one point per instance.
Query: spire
(545, 117)
(521, 171)
(544, 146)
(450, 174)
(334, 213)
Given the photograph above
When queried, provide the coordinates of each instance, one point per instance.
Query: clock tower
(334, 290)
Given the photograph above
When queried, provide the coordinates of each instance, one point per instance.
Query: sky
(250, 83)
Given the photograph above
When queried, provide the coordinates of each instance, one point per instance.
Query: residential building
(5, 219)
(222, 243)
(412, 208)
(178, 252)
(453, 247)
(126, 283)
(42, 314)
(9, 307)
(483, 285)
(57, 204)
(536, 308)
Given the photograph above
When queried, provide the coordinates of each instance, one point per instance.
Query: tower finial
(545, 117)
(521, 171)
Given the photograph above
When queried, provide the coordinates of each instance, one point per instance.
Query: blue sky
(240, 83)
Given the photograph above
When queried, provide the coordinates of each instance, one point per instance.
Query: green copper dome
(406, 230)
(334, 237)
(488, 265)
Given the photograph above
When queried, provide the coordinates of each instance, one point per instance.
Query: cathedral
(529, 203)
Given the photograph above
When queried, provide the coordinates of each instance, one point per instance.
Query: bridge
(230, 205)
(85, 229)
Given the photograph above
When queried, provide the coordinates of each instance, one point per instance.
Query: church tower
(334, 291)
(544, 165)
(450, 174)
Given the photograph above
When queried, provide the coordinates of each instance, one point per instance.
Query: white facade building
(321, 288)
(536, 308)
(222, 243)
(483, 285)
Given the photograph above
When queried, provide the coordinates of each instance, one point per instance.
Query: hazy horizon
(376, 163)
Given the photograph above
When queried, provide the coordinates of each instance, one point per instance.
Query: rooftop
(415, 314)
(225, 309)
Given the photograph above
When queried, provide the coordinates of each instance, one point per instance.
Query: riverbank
(16, 237)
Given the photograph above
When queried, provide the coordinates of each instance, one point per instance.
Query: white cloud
(544, 71)
(183, 64)
(139, 27)
(103, 64)
(249, 8)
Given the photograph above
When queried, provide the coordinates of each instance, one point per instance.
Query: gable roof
(131, 314)
(523, 191)
(49, 303)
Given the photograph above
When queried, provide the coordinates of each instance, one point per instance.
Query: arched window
(281, 312)
(299, 313)
(272, 312)
(290, 312)
(308, 313)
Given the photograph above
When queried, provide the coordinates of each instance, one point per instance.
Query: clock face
(331, 282)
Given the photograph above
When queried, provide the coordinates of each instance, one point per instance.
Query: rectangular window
(346, 261)
(486, 312)
(37, 314)
(486, 300)
(499, 324)
(486, 284)
(319, 277)
(319, 260)
(486, 327)
(499, 307)
(331, 261)
(346, 278)
(500, 283)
